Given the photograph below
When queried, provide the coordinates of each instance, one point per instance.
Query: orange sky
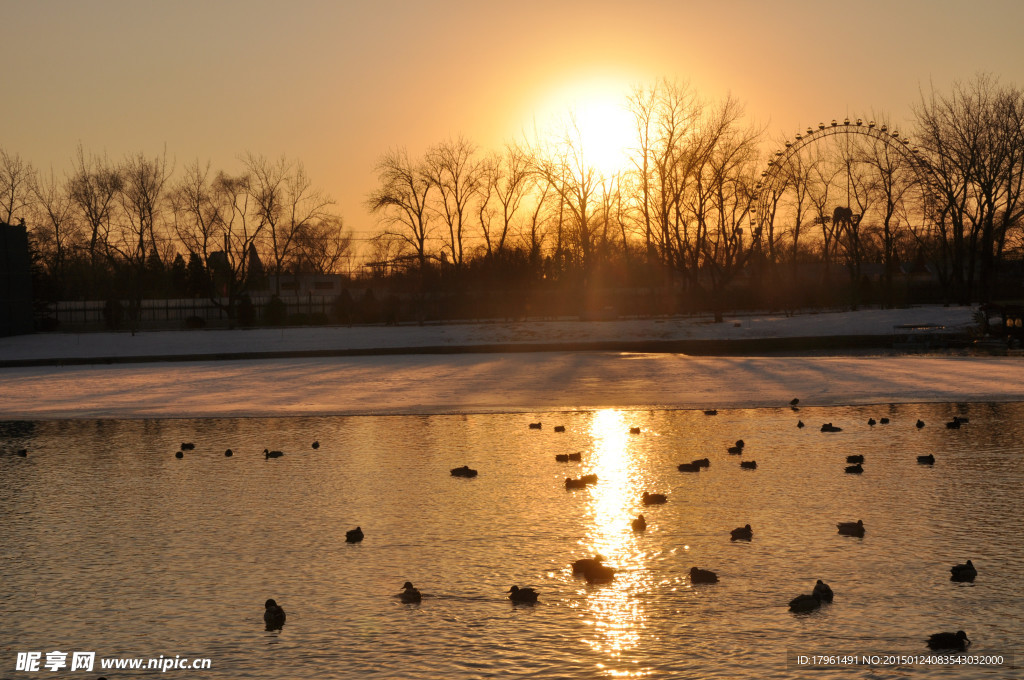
(335, 84)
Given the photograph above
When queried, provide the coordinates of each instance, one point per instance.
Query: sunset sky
(335, 84)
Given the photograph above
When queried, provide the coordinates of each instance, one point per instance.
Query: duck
(689, 467)
(559, 428)
(854, 469)
(804, 603)
(926, 460)
(589, 479)
(23, 453)
(272, 454)
(794, 401)
(228, 453)
(871, 422)
(522, 595)
(711, 412)
(855, 459)
(735, 450)
(315, 445)
(953, 424)
(179, 454)
(599, 573)
(702, 576)
(920, 423)
(562, 457)
(580, 566)
(273, 615)
(829, 427)
(957, 640)
(464, 471)
(702, 462)
(799, 424)
(851, 528)
(409, 594)
(653, 498)
(748, 464)
(744, 533)
(883, 421)
(571, 483)
(187, 446)
(354, 535)
(963, 572)
(822, 591)
(534, 426)
(639, 524)
(576, 457)
(634, 430)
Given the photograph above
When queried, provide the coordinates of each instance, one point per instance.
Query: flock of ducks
(594, 570)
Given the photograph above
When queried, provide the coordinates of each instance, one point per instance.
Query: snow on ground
(422, 383)
(181, 343)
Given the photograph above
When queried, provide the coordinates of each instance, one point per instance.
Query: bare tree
(456, 173)
(55, 218)
(322, 245)
(95, 184)
(504, 184)
(16, 179)
(402, 199)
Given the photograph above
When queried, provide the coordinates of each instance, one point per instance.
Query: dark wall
(15, 281)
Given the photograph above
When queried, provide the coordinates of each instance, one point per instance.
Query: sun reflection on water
(615, 611)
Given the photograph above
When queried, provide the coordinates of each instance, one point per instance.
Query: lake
(112, 545)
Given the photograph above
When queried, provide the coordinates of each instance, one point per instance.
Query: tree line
(706, 214)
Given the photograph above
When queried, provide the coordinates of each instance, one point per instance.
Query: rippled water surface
(111, 544)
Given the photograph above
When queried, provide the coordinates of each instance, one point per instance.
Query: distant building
(15, 280)
(308, 285)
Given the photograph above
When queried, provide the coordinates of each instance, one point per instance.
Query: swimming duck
(559, 428)
(871, 422)
(963, 572)
(800, 423)
(920, 423)
(748, 464)
(744, 533)
(580, 566)
(228, 453)
(187, 446)
(23, 453)
(354, 535)
(794, 401)
(855, 459)
(829, 427)
(953, 424)
(571, 483)
(702, 576)
(534, 426)
(179, 454)
(957, 640)
(272, 454)
(735, 450)
(639, 524)
(522, 595)
(273, 615)
(464, 471)
(689, 467)
(634, 430)
(653, 498)
(575, 457)
(851, 528)
(822, 591)
(854, 469)
(589, 479)
(711, 412)
(562, 457)
(409, 594)
(315, 445)
(883, 421)
(927, 460)
(702, 462)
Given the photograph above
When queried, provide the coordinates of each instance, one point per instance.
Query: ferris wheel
(774, 180)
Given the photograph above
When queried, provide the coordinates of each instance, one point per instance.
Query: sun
(595, 117)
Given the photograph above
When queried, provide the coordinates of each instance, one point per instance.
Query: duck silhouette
(957, 640)
(822, 591)
(689, 467)
(273, 615)
(855, 459)
(963, 572)
(653, 498)
(854, 469)
(354, 535)
(920, 423)
(639, 524)
(851, 528)
(702, 576)
(559, 428)
(464, 471)
(522, 595)
(744, 533)
(409, 594)
(272, 454)
(926, 460)
(804, 603)
(748, 464)
(702, 462)
(315, 445)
